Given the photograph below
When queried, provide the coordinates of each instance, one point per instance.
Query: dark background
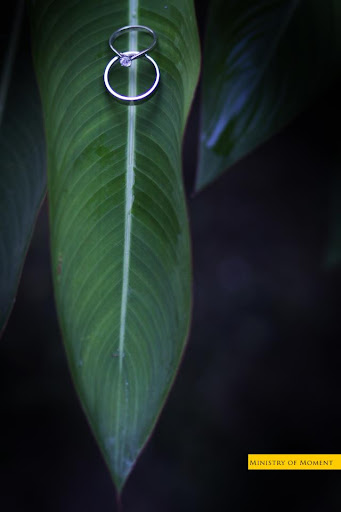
(261, 371)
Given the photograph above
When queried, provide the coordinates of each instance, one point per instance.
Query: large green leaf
(264, 61)
(119, 231)
(22, 157)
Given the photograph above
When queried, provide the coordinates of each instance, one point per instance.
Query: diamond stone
(125, 61)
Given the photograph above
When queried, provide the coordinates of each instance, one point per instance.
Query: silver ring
(130, 55)
(125, 29)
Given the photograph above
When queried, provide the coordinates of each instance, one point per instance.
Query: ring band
(127, 28)
(131, 55)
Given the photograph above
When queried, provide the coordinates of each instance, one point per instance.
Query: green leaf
(264, 61)
(22, 156)
(119, 229)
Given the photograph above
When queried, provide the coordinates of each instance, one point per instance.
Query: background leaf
(264, 61)
(119, 231)
(22, 155)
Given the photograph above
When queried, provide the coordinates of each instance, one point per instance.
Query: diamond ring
(123, 30)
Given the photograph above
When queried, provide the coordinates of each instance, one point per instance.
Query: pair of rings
(126, 58)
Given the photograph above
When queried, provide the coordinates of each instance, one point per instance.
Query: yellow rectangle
(294, 461)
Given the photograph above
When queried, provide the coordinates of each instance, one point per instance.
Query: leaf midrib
(129, 198)
(130, 176)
